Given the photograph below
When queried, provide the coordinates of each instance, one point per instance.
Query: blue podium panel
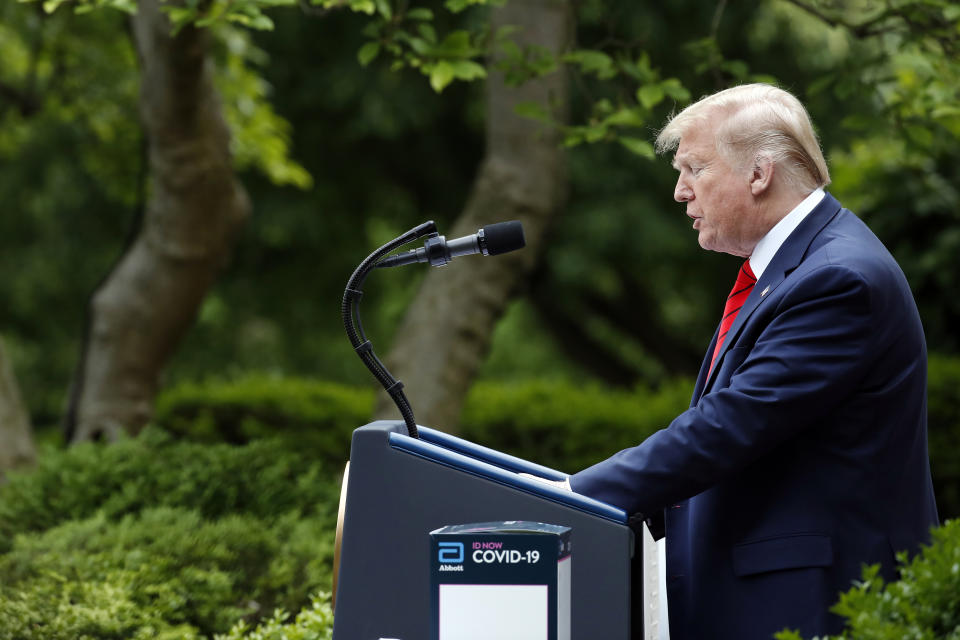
(400, 489)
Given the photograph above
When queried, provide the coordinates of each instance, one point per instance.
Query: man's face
(718, 195)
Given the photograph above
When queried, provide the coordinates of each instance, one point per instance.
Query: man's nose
(682, 192)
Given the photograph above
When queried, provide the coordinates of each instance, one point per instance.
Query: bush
(312, 623)
(264, 479)
(319, 417)
(557, 424)
(162, 569)
(153, 537)
(565, 426)
(923, 605)
(553, 423)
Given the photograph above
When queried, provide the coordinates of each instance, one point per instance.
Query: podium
(399, 489)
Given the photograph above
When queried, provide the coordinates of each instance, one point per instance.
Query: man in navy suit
(803, 455)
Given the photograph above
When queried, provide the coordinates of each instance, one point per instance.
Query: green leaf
(428, 32)
(363, 6)
(49, 6)
(638, 146)
(591, 61)
(456, 44)
(260, 22)
(920, 134)
(675, 89)
(368, 52)
(456, 6)
(650, 95)
(384, 9)
(441, 74)
(594, 134)
(419, 45)
(420, 13)
(625, 117)
(467, 70)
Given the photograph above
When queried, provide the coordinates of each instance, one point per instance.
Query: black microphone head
(503, 237)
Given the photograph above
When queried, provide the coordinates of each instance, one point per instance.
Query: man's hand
(559, 484)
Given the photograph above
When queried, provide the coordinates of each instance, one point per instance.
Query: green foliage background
(340, 157)
(219, 520)
(223, 513)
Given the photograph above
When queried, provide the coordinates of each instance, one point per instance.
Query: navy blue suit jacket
(803, 455)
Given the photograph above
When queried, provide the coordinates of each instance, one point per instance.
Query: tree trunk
(194, 209)
(446, 332)
(16, 438)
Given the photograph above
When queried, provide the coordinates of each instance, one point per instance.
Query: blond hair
(758, 121)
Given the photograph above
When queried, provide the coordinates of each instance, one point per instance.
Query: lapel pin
(765, 291)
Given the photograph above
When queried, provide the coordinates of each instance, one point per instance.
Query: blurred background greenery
(373, 152)
(596, 351)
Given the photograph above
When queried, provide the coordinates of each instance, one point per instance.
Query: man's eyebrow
(684, 158)
(679, 158)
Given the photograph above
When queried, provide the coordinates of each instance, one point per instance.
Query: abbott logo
(450, 553)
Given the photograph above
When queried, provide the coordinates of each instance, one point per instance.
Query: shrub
(565, 426)
(554, 423)
(317, 416)
(265, 479)
(923, 605)
(557, 424)
(154, 537)
(312, 623)
(164, 569)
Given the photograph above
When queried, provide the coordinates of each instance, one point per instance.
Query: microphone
(491, 240)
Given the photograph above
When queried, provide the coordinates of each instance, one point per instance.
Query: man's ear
(761, 177)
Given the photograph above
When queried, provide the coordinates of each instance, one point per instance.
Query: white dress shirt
(769, 244)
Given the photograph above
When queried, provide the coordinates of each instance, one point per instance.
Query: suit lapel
(787, 258)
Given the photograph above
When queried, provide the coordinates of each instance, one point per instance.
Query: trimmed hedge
(264, 479)
(565, 426)
(154, 537)
(557, 424)
(316, 416)
(166, 536)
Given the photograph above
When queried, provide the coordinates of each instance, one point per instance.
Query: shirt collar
(769, 244)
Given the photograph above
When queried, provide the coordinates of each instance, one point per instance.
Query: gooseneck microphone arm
(350, 310)
(491, 240)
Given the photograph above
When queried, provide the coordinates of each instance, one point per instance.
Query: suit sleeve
(813, 351)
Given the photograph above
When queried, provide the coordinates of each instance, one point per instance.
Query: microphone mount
(350, 311)
(491, 240)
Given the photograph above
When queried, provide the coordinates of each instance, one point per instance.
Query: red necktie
(738, 295)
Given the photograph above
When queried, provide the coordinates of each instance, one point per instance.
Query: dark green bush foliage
(319, 416)
(568, 427)
(312, 623)
(557, 424)
(184, 536)
(923, 605)
(154, 537)
(554, 423)
(164, 568)
(264, 479)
